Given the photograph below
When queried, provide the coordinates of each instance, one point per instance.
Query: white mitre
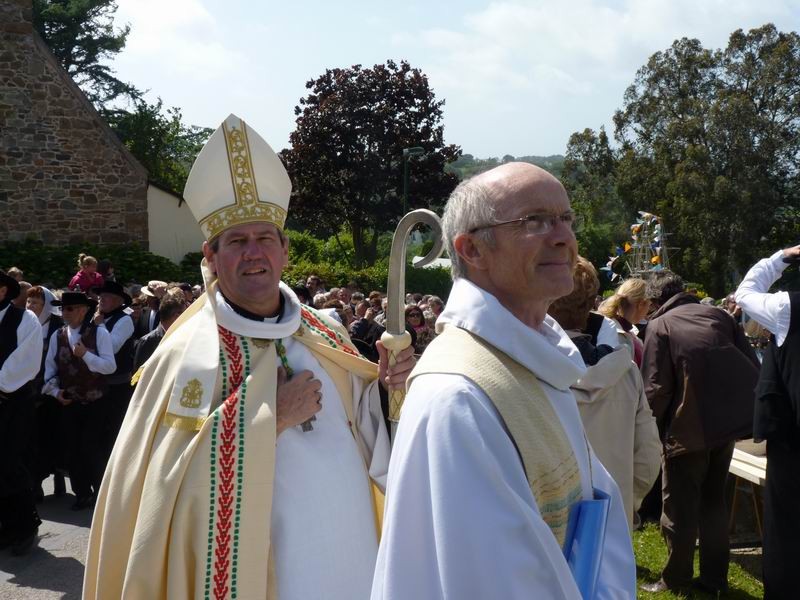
(237, 178)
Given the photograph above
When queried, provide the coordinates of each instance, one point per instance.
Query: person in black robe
(777, 417)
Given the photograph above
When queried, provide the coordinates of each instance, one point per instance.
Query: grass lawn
(651, 555)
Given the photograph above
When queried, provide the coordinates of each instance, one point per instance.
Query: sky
(518, 77)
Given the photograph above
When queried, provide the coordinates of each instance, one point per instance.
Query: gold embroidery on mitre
(191, 394)
(247, 208)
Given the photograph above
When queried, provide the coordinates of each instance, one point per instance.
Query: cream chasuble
(198, 501)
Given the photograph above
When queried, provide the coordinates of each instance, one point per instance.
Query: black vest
(777, 408)
(8, 332)
(124, 357)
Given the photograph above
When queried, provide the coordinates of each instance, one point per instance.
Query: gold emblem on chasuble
(259, 343)
(191, 394)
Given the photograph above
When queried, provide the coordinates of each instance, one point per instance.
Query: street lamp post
(407, 154)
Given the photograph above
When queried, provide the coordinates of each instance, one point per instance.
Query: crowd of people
(96, 334)
(528, 397)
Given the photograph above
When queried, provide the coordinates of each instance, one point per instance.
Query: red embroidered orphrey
(314, 322)
(227, 453)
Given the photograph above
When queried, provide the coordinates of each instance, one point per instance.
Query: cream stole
(534, 427)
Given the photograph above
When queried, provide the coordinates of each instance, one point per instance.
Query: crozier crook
(396, 338)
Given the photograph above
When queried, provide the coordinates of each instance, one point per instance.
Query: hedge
(54, 266)
(425, 281)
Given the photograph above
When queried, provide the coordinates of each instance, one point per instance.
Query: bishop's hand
(298, 398)
(393, 377)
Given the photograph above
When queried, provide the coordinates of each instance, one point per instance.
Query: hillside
(467, 165)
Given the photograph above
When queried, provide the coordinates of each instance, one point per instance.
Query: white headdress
(237, 178)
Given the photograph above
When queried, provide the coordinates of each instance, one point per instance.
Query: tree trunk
(364, 245)
(358, 245)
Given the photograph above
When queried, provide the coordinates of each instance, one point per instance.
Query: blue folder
(583, 546)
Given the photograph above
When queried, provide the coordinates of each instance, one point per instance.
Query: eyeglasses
(540, 223)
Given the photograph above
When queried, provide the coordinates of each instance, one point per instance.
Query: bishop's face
(248, 262)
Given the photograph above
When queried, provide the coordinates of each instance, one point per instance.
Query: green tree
(81, 35)
(160, 140)
(709, 141)
(467, 165)
(345, 159)
(589, 176)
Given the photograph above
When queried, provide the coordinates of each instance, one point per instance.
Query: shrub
(55, 265)
(425, 281)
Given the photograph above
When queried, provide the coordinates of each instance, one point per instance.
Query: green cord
(281, 349)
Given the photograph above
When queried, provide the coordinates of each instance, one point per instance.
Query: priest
(491, 457)
(251, 460)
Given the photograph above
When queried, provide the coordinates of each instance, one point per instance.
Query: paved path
(54, 570)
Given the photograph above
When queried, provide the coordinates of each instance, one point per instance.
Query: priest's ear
(472, 249)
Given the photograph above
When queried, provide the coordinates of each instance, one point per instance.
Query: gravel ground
(53, 570)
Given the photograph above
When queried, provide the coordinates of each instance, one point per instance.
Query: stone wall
(64, 175)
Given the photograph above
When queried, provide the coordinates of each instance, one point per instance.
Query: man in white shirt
(111, 314)
(490, 456)
(20, 357)
(777, 416)
(79, 357)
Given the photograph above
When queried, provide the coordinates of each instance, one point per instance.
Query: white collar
(547, 352)
(232, 321)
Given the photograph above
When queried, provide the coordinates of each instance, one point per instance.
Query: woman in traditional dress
(48, 410)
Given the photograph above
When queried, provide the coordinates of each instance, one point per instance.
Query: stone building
(64, 175)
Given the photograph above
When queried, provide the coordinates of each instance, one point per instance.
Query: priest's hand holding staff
(298, 399)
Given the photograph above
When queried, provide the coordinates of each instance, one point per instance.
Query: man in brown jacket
(699, 376)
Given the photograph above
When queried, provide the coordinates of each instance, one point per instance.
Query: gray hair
(468, 207)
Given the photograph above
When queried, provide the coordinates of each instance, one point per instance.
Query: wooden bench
(749, 466)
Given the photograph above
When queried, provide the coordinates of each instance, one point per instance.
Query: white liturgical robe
(323, 531)
(461, 520)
